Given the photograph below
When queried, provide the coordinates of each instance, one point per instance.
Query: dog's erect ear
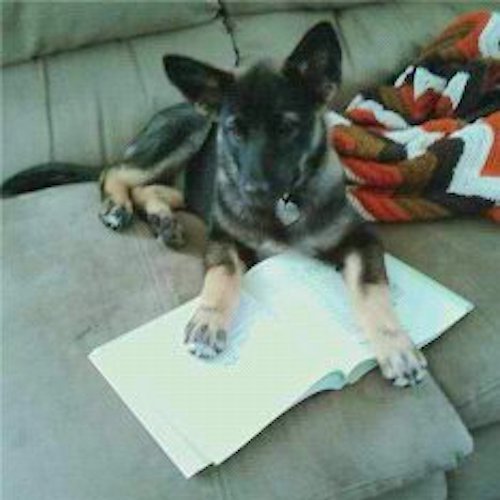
(200, 83)
(317, 60)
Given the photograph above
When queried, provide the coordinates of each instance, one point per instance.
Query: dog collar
(287, 211)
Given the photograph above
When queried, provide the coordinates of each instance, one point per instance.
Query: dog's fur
(278, 185)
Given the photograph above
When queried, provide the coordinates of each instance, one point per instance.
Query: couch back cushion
(83, 106)
(33, 29)
(378, 39)
(239, 7)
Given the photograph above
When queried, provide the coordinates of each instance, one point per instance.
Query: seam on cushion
(394, 483)
(346, 49)
(47, 102)
(484, 390)
(138, 71)
(114, 39)
(221, 484)
(146, 262)
(229, 26)
(446, 489)
(100, 130)
(397, 480)
(147, 266)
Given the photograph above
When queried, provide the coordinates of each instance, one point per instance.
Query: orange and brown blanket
(428, 145)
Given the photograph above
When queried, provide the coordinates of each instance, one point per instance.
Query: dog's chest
(266, 233)
(287, 212)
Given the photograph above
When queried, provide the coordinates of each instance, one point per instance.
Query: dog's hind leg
(156, 203)
(161, 150)
(116, 182)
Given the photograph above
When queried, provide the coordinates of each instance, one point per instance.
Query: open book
(294, 334)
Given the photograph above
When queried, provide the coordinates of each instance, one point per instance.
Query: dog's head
(270, 117)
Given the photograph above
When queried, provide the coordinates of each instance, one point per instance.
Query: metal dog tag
(287, 211)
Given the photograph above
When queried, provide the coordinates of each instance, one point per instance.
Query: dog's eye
(235, 126)
(288, 124)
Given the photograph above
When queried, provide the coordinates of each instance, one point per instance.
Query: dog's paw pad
(168, 229)
(115, 217)
(405, 367)
(205, 336)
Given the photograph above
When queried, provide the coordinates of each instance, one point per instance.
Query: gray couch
(79, 80)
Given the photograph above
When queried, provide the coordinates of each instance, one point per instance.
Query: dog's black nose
(255, 188)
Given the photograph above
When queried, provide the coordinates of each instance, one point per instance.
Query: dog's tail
(47, 175)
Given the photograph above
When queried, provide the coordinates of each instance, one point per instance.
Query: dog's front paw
(116, 217)
(400, 361)
(168, 229)
(205, 334)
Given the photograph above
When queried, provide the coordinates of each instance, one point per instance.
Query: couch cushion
(238, 7)
(433, 487)
(71, 285)
(463, 255)
(378, 40)
(478, 477)
(84, 106)
(40, 28)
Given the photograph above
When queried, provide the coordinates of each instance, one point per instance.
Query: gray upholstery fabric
(84, 106)
(40, 28)
(432, 487)
(478, 477)
(70, 285)
(244, 7)
(461, 254)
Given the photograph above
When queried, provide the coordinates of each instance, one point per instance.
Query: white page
(221, 404)
(425, 307)
(171, 440)
(308, 292)
(183, 401)
(311, 296)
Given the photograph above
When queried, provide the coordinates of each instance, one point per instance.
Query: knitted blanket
(428, 145)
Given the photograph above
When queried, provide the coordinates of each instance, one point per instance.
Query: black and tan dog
(278, 185)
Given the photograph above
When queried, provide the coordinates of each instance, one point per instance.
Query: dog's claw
(115, 217)
(403, 365)
(205, 336)
(168, 229)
